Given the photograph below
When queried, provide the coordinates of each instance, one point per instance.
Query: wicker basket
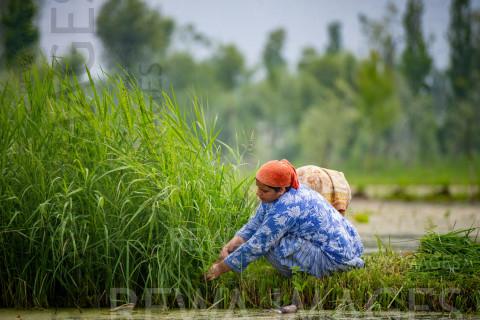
(331, 184)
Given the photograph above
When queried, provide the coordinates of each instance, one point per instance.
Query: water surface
(100, 314)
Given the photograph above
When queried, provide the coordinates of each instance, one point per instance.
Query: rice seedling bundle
(449, 265)
(451, 256)
(101, 188)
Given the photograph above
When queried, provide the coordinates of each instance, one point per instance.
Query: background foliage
(332, 108)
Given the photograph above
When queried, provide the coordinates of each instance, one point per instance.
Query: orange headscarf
(277, 173)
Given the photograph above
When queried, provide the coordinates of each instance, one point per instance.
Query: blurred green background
(389, 117)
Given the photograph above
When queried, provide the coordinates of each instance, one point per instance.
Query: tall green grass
(102, 188)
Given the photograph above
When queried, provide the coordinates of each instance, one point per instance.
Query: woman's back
(314, 219)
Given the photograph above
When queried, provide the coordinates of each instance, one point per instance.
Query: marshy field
(108, 198)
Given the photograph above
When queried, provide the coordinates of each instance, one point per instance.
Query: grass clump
(451, 263)
(362, 217)
(453, 256)
(102, 188)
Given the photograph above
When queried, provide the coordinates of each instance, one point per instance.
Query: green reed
(102, 188)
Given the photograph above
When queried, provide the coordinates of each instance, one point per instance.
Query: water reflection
(101, 314)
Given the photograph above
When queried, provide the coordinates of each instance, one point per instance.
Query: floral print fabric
(300, 229)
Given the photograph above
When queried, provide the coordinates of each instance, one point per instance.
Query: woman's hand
(219, 266)
(225, 252)
(216, 270)
(231, 246)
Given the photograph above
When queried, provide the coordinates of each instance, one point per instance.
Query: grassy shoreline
(390, 281)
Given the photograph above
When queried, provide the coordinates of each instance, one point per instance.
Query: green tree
(378, 104)
(132, 33)
(416, 130)
(228, 64)
(19, 34)
(72, 63)
(334, 37)
(376, 86)
(308, 90)
(327, 130)
(416, 62)
(2, 9)
(461, 128)
(191, 38)
(180, 71)
(309, 54)
(272, 54)
(476, 49)
(327, 69)
(461, 51)
(381, 35)
(475, 92)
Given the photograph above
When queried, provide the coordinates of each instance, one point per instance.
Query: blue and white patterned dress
(299, 229)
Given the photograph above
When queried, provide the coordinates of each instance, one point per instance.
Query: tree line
(333, 108)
